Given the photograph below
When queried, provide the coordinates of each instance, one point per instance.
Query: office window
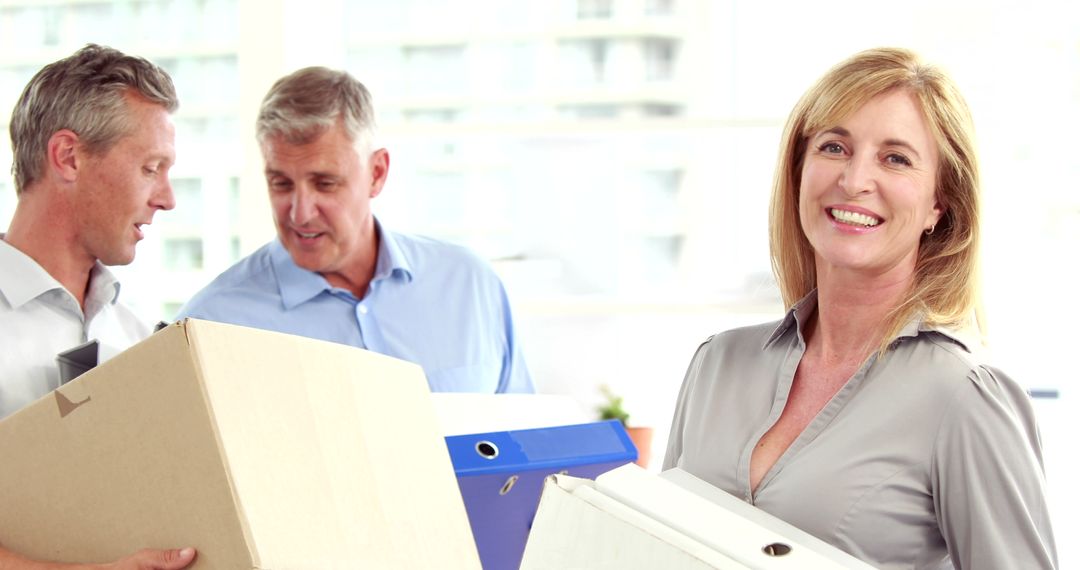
(589, 111)
(189, 203)
(659, 7)
(661, 110)
(85, 23)
(183, 254)
(431, 115)
(435, 70)
(584, 62)
(233, 202)
(660, 194)
(52, 24)
(659, 59)
(594, 9)
(382, 69)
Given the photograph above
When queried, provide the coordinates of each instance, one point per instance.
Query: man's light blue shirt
(429, 302)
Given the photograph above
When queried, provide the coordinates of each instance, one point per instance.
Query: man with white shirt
(92, 140)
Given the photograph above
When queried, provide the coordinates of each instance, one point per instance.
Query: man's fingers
(175, 559)
(168, 559)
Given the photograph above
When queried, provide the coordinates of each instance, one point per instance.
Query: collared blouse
(925, 458)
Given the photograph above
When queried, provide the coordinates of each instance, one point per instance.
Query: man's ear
(379, 163)
(63, 154)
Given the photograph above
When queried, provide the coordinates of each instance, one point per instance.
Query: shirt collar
(24, 280)
(295, 284)
(796, 316)
(392, 260)
(917, 326)
(803, 308)
(104, 290)
(298, 285)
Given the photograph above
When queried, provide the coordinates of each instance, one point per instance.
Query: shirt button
(362, 309)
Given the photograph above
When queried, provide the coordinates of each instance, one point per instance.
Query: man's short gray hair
(85, 94)
(304, 104)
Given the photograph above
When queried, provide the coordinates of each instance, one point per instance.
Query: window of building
(584, 62)
(188, 212)
(659, 7)
(659, 59)
(589, 111)
(594, 9)
(183, 254)
(435, 70)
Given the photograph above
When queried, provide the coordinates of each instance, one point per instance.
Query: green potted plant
(612, 409)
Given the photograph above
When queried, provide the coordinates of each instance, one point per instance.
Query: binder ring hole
(776, 549)
(487, 450)
(509, 484)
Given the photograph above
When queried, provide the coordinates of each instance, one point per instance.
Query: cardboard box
(260, 449)
(630, 519)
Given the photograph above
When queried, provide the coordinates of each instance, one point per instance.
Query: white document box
(631, 519)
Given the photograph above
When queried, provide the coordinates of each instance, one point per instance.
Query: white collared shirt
(39, 318)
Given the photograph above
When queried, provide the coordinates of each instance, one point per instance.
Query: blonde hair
(945, 286)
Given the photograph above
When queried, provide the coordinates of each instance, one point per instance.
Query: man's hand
(150, 559)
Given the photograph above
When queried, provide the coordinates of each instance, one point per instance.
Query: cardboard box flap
(148, 474)
(334, 453)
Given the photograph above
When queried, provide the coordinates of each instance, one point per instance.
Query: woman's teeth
(853, 218)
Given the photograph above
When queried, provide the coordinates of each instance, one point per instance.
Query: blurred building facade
(577, 144)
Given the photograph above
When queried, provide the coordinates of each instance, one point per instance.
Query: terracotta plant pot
(642, 438)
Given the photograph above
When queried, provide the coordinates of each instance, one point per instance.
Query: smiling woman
(875, 232)
(867, 192)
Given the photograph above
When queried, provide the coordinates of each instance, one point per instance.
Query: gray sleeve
(987, 478)
(675, 436)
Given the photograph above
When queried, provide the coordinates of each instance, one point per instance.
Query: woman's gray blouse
(925, 458)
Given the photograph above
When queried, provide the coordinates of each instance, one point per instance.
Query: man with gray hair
(335, 273)
(93, 142)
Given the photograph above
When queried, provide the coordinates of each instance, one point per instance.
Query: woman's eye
(898, 159)
(831, 148)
